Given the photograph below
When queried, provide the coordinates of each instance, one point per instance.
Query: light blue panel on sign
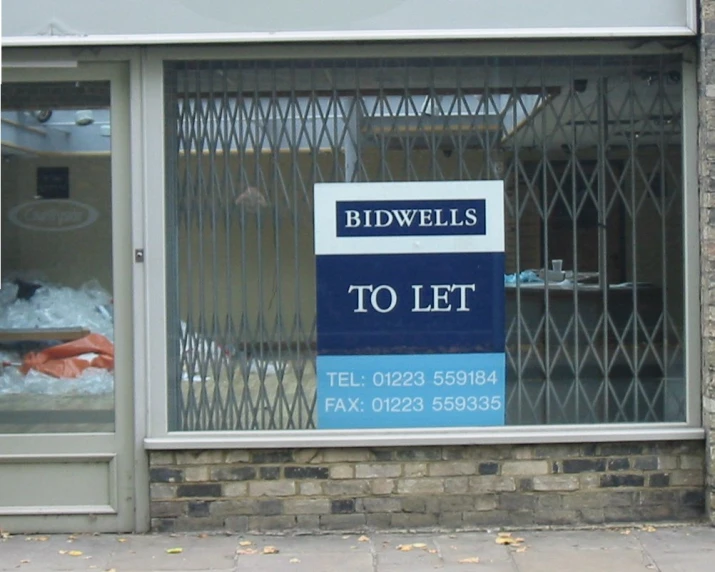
(409, 391)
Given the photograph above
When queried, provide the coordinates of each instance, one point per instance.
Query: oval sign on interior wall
(53, 215)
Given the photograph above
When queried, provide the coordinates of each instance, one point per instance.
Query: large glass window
(589, 149)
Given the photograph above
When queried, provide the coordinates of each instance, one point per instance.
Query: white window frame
(154, 287)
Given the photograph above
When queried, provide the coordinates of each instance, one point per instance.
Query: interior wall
(68, 257)
(654, 240)
(257, 266)
(249, 265)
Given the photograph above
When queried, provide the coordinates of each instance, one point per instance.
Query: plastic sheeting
(54, 306)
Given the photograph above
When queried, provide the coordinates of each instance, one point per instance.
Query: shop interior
(56, 307)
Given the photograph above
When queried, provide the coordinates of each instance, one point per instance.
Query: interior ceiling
(580, 108)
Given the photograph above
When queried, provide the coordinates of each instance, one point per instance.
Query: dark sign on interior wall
(53, 182)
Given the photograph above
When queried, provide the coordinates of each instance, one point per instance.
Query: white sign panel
(38, 22)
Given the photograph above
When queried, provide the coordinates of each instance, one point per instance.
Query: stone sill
(424, 437)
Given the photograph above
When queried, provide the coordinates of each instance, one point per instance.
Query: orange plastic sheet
(70, 360)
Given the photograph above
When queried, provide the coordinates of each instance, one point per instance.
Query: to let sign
(410, 304)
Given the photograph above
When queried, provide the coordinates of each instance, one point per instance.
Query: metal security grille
(590, 150)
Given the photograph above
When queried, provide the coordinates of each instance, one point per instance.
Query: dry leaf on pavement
(419, 545)
(247, 551)
(363, 539)
(346, 537)
(505, 538)
(404, 547)
(24, 561)
(75, 553)
(649, 528)
(294, 560)
(121, 539)
(270, 550)
(432, 551)
(174, 550)
(245, 543)
(472, 560)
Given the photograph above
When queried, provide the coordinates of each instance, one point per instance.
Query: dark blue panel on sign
(411, 218)
(410, 303)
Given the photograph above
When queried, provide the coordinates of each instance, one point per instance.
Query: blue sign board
(410, 304)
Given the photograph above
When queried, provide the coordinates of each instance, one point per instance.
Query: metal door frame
(127, 510)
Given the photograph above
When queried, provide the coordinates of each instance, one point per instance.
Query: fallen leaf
(419, 545)
(504, 534)
(363, 539)
(247, 551)
(294, 560)
(121, 539)
(627, 531)
(508, 540)
(24, 561)
(245, 543)
(649, 528)
(174, 550)
(452, 536)
(71, 537)
(111, 570)
(521, 549)
(270, 550)
(203, 535)
(345, 537)
(432, 551)
(75, 553)
(472, 560)
(62, 551)
(4, 534)
(404, 547)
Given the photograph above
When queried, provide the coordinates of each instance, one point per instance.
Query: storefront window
(590, 152)
(56, 297)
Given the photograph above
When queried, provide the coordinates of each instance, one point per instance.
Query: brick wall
(706, 144)
(447, 487)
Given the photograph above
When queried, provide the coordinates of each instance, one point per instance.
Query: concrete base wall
(448, 487)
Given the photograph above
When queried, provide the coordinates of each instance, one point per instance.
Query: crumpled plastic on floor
(92, 381)
(53, 306)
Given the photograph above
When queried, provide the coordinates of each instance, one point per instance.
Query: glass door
(65, 363)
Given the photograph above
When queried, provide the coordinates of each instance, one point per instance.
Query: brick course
(447, 487)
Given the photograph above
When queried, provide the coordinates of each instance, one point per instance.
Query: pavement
(625, 549)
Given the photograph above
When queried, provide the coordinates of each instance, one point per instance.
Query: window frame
(155, 317)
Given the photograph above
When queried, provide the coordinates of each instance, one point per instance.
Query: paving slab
(636, 549)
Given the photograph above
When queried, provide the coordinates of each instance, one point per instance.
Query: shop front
(353, 272)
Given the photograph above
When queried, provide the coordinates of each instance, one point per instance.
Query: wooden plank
(41, 334)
